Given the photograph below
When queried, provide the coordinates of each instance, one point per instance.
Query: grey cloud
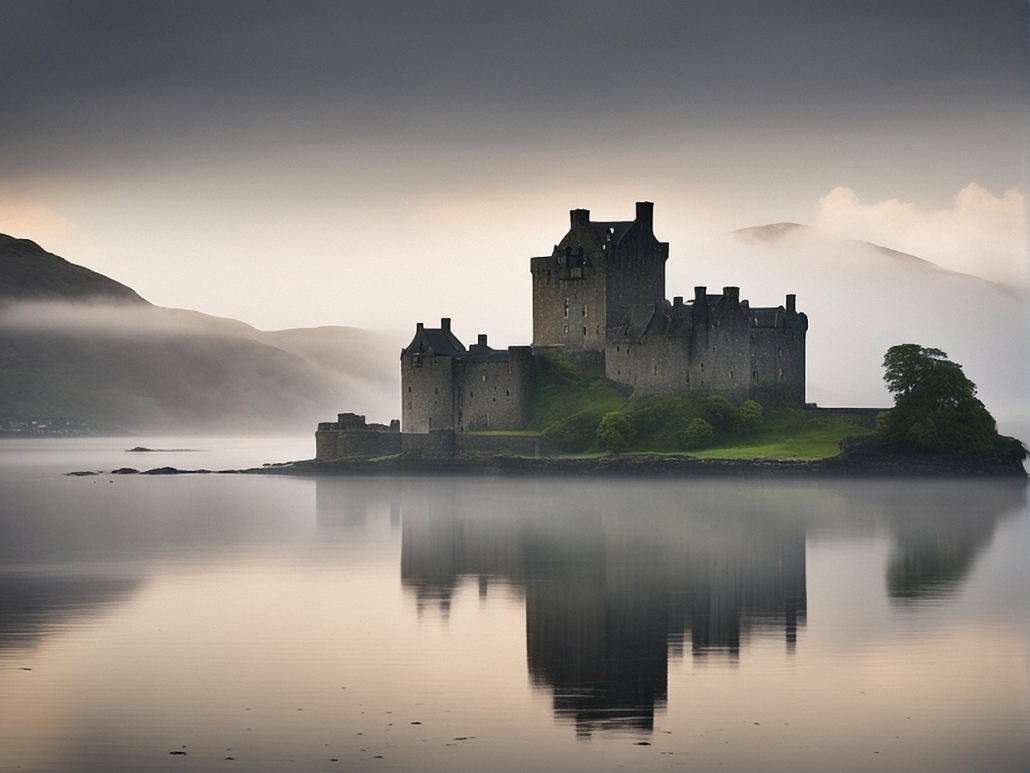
(88, 75)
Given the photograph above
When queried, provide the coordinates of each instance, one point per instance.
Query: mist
(151, 369)
(862, 299)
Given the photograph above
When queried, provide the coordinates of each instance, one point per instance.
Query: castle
(599, 301)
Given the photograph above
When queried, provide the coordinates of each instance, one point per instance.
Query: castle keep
(599, 301)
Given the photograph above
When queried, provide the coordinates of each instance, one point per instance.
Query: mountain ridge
(75, 343)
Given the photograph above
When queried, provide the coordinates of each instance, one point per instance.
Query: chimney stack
(645, 214)
(579, 216)
(732, 293)
(700, 293)
(445, 323)
(482, 339)
(791, 303)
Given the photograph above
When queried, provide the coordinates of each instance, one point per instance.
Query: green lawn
(569, 404)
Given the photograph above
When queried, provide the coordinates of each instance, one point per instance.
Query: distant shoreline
(654, 465)
(863, 460)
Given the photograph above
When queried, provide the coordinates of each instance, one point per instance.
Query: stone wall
(778, 364)
(427, 392)
(355, 443)
(493, 389)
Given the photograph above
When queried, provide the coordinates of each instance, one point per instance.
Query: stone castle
(599, 301)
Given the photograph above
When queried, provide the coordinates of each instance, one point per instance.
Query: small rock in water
(180, 753)
(643, 743)
(125, 471)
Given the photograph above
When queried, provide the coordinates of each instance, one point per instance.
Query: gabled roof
(611, 230)
(440, 339)
(443, 341)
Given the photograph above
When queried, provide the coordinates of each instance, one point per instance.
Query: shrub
(573, 434)
(720, 413)
(750, 416)
(698, 434)
(615, 431)
(922, 434)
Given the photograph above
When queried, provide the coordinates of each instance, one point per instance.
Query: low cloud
(981, 234)
(26, 218)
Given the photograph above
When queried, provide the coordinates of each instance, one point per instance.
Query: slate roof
(613, 229)
(444, 341)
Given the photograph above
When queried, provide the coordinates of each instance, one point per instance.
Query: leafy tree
(720, 413)
(935, 404)
(698, 434)
(615, 431)
(750, 416)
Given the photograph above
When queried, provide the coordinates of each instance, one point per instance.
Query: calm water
(469, 625)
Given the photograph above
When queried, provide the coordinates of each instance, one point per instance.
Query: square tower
(593, 276)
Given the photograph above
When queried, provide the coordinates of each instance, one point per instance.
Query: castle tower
(595, 273)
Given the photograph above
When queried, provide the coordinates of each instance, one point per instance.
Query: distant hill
(862, 298)
(778, 233)
(28, 272)
(76, 344)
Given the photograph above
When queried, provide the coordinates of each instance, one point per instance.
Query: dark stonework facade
(446, 386)
(598, 300)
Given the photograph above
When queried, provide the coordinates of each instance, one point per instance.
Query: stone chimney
(445, 324)
(482, 339)
(579, 216)
(791, 303)
(645, 214)
(732, 293)
(700, 294)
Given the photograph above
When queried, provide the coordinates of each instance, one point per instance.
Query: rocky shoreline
(856, 459)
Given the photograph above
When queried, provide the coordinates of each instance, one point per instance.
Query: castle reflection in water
(617, 578)
(613, 585)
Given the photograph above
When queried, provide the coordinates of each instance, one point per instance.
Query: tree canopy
(935, 404)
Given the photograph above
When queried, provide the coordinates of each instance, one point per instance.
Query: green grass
(569, 404)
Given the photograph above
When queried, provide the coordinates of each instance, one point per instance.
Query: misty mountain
(74, 343)
(28, 272)
(863, 298)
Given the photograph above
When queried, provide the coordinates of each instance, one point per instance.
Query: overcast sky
(378, 163)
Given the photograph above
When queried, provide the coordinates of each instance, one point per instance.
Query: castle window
(780, 374)
(731, 374)
(484, 377)
(576, 273)
(409, 389)
(702, 367)
(656, 369)
(416, 359)
(584, 309)
(781, 351)
(584, 331)
(507, 393)
(566, 330)
(616, 349)
(566, 308)
(436, 391)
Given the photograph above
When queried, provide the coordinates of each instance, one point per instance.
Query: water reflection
(618, 579)
(33, 605)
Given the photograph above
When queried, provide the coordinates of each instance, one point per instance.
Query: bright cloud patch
(28, 219)
(981, 234)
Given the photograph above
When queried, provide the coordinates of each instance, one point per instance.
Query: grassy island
(571, 408)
